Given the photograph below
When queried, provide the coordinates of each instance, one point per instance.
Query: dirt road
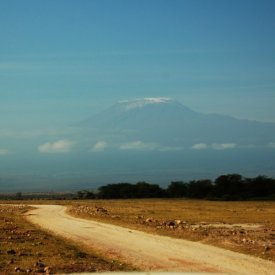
(147, 251)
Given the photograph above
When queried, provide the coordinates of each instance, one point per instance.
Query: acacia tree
(231, 186)
(177, 189)
(200, 188)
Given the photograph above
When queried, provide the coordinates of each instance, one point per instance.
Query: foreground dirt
(149, 252)
(24, 249)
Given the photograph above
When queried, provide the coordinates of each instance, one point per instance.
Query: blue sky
(61, 61)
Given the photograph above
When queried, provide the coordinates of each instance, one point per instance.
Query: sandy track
(147, 251)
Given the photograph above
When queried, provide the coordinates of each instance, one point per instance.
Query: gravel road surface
(147, 251)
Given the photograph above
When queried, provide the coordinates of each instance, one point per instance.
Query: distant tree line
(225, 187)
(129, 191)
(38, 196)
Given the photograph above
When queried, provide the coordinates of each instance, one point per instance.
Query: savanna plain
(246, 227)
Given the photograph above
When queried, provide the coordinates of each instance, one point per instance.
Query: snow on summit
(156, 99)
(139, 103)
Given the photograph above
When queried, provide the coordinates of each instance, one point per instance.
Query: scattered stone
(11, 252)
(115, 217)
(39, 264)
(47, 270)
(17, 269)
(171, 224)
(22, 254)
(149, 220)
(101, 209)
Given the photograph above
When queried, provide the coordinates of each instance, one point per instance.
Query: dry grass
(191, 210)
(197, 221)
(26, 249)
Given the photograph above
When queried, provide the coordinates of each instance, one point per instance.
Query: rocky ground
(26, 249)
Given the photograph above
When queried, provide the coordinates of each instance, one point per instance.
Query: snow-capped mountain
(168, 122)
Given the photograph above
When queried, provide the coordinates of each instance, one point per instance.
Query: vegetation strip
(229, 187)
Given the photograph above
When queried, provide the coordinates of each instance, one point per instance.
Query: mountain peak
(139, 103)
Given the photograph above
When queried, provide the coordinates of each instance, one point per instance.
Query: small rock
(39, 264)
(47, 270)
(171, 224)
(115, 217)
(101, 209)
(11, 252)
(22, 254)
(17, 269)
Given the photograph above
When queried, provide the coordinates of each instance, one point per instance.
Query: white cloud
(223, 146)
(60, 146)
(138, 145)
(99, 146)
(4, 152)
(271, 145)
(200, 146)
